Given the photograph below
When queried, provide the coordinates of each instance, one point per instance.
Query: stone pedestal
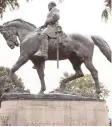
(52, 109)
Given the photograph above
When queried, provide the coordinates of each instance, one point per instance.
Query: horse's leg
(76, 63)
(23, 58)
(94, 74)
(39, 64)
(40, 71)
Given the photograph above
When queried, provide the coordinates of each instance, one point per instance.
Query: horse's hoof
(41, 92)
(97, 96)
(34, 67)
(11, 75)
(98, 91)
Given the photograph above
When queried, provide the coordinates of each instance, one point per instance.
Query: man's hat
(53, 3)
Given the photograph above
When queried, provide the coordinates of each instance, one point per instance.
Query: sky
(78, 16)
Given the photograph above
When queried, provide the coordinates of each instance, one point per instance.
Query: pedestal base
(52, 109)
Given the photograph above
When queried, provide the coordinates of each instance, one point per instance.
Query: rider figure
(49, 29)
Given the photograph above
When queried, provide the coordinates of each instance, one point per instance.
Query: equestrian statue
(49, 42)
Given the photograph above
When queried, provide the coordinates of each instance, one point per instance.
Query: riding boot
(44, 47)
(43, 51)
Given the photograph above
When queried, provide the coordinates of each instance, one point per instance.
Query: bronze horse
(78, 49)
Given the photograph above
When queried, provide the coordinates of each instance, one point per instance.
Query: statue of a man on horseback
(78, 49)
(49, 29)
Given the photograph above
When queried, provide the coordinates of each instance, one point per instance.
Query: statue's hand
(42, 27)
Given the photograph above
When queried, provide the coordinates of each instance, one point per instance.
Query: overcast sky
(80, 16)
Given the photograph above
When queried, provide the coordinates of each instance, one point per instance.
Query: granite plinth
(52, 109)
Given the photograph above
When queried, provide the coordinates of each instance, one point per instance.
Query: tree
(107, 10)
(10, 85)
(110, 122)
(83, 86)
(13, 4)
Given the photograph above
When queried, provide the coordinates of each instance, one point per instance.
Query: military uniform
(49, 30)
(52, 19)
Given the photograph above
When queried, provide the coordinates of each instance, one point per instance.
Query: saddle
(59, 36)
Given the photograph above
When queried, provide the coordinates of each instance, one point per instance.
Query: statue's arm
(54, 18)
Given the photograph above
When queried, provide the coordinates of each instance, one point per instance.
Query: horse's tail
(103, 46)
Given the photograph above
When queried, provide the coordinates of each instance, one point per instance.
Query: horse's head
(10, 35)
(16, 28)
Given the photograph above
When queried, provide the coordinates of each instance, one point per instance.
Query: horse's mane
(20, 20)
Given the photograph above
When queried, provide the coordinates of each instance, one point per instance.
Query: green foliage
(8, 85)
(5, 81)
(83, 86)
(13, 4)
(108, 4)
(107, 11)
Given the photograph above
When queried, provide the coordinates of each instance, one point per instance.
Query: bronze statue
(77, 49)
(49, 29)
